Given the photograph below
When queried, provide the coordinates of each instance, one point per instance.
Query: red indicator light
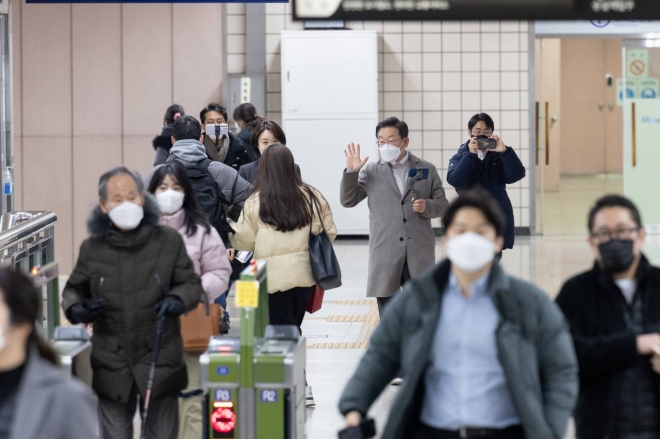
(223, 420)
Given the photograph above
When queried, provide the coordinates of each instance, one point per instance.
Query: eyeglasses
(608, 235)
(381, 143)
(482, 133)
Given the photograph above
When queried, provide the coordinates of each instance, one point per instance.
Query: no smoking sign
(637, 62)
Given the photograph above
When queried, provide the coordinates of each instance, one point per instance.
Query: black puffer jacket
(606, 348)
(162, 144)
(123, 268)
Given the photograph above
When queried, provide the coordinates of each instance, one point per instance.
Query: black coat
(245, 136)
(237, 156)
(493, 173)
(123, 268)
(595, 309)
(162, 144)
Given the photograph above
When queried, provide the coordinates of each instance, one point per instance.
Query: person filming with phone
(485, 161)
(221, 145)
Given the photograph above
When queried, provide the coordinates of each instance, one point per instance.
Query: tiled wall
(112, 70)
(236, 38)
(436, 75)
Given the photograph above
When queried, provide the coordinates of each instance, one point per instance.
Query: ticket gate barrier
(255, 384)
(75, 351)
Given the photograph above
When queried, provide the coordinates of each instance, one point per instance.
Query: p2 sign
(269, 396)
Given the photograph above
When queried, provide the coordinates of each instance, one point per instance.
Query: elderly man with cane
(132, 277)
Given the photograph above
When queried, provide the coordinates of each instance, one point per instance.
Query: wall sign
(647, 88)
(597, 27)
(397, 10)
(630, 90)
(637, 63)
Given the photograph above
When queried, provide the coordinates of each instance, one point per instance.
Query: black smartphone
(485, 142)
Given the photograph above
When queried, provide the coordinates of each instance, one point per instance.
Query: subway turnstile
(255, 384)
(75, 351)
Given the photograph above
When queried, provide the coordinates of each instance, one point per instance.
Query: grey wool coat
(533, 341)
(396, 233)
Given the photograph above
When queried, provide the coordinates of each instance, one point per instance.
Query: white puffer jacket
(286, 253)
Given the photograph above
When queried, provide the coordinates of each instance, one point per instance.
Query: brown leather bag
(199, 325)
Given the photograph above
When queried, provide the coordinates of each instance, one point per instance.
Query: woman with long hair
(181, 211)
(247, 119)
(163, 142)
(275, 224)
(36, 399)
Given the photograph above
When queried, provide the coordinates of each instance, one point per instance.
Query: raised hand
(353, 161)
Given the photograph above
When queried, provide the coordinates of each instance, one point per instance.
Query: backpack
(209, 196)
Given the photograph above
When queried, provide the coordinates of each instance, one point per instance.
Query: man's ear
(102, 207)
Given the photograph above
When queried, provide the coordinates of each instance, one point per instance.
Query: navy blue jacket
(493, 173)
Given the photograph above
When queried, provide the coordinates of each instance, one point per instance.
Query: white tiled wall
(236, 38)
(435, 76)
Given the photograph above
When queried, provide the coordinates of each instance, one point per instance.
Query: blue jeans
(222, 301)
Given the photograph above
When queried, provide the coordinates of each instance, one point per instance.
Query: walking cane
(152, 371)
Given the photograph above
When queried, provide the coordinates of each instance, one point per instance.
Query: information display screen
(377, 10)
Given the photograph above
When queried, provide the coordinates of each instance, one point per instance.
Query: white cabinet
(330, 99)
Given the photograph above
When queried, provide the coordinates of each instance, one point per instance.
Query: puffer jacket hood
(164, 140)
(98, 223)
(189, 150)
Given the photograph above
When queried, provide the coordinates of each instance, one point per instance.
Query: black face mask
(616, 255)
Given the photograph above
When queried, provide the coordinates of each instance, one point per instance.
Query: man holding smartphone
(221, 145)
(485, 161)
(401, 239)
(614, 314)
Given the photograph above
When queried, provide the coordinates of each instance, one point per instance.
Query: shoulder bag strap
(314, 203)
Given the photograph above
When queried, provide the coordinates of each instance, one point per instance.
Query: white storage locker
(330, 99)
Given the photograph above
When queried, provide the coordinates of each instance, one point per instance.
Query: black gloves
(170, 306)
(86, 311)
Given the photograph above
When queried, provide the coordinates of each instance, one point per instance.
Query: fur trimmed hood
(164, 139)
(99, 224)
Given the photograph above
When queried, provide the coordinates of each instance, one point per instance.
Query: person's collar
(175, 221)
(477, 288)
(403, 161)
(99, 224)
(642, 269)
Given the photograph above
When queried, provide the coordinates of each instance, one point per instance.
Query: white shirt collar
(403, 161)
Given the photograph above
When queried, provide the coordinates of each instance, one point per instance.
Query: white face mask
(127, 215)
(170, 201)
(389, 153)
(470, 252)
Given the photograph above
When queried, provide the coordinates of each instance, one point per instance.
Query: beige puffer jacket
(286, 253)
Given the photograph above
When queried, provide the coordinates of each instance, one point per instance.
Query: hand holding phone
(485, 142)
(216, 131)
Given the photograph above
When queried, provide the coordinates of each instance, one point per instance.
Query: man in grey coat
(401, 239)
(483, 355)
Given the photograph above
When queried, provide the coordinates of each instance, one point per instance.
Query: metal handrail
(27, 243)
(17, 226)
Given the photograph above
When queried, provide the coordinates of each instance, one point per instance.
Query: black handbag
(325, 266)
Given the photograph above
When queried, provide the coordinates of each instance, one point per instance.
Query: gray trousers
(117, 419)
(405, 277)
